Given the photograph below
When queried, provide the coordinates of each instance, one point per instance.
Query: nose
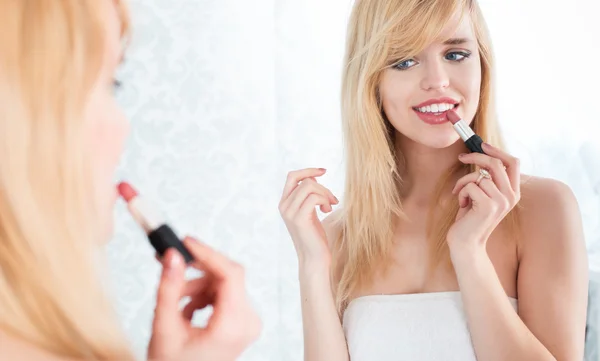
(435, 77)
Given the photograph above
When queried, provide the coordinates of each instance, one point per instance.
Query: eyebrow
(456, 41)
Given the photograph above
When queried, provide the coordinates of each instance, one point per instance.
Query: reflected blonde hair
(380, 34)
(50, 294)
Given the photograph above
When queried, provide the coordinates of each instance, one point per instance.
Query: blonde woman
(61, 134)
(426, 259)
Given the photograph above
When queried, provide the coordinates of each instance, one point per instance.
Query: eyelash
(465, 56)
(117, 84)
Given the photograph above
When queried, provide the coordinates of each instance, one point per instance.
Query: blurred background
(226, 96)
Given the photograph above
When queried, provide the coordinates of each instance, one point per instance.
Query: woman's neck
(421, 167)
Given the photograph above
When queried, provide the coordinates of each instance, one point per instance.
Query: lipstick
(440, 107)
(160, 235)
(472, 140)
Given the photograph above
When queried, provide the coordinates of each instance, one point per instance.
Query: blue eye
(457, 56)
(404, 64)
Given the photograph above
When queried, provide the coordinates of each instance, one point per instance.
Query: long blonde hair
(380, 33)
(50, 294)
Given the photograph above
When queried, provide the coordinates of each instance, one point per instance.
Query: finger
(195, 286)
(491, 190)
(295, 177)
(196, 304)
(332, 199)
(488, 186)
(299, 195)
(171, 284)
(500, 203)
(463, 181)
(513, 165)
(229, 282)
(472, 193)
(328, 192)
(309, 184)
(210, 261)
(494, 166)
(309, 204)
(161, 260)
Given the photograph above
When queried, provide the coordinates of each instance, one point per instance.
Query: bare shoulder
(548, 208)
(545, 200)
(552, 276)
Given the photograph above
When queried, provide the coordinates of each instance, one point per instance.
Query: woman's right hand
(301, 194)
(231, 328)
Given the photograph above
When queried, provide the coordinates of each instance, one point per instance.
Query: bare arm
(323, 335)
(552, 285)
(553, 273)
(324, 338)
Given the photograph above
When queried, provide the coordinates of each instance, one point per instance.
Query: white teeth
(436, 108)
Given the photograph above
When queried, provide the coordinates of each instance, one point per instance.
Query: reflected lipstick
(472, 140)
(160, 235)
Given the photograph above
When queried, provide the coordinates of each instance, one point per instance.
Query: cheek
(107, 133)
(395, 95)
(469, 84)
(111, 138)
(475, 84)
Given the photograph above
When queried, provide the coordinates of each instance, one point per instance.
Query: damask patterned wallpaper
(225, 97)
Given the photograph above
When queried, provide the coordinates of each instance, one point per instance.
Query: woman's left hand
(484, 205)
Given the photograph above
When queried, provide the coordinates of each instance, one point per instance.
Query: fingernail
(175, 260)
(336, 200)
(322, 169)
(191, 240)
(462, 155)
(173, 264)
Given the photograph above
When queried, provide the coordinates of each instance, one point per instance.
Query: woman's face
(443, 70)
(107, 126)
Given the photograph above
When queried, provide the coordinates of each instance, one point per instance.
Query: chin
(106, 231)
(436, 139)
(106, 223)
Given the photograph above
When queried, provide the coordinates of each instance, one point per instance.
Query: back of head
(50, 296)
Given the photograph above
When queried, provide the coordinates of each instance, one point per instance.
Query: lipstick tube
(472, 140)
(160, 235)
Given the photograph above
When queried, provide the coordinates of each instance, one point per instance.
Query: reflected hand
(301, 195)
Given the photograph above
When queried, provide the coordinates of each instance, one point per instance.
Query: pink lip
(434, 119)
(437, 101)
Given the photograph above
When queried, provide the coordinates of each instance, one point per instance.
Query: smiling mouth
(436, 109)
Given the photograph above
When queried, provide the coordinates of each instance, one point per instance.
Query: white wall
(226, 96)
